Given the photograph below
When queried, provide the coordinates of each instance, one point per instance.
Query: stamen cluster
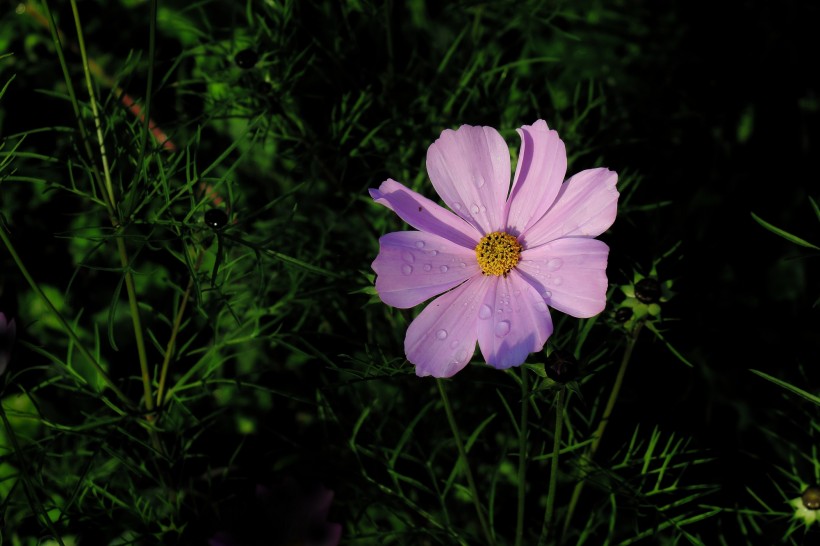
(497, 253)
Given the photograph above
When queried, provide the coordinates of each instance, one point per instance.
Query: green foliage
(262, 354)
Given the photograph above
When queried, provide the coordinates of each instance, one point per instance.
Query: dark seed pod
(811, 498)
(247, 58)
(561, 366)
(648, 290)
(216, 218)
(623, 314)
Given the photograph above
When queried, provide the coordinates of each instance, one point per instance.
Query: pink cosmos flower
(503, 256)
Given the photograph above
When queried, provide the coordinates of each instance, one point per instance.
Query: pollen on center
(497, 253)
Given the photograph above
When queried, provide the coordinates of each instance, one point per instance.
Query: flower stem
(465, 464)
(586, 460)
(115, 220)
(522, 457)
(556, 450)
(169, 349)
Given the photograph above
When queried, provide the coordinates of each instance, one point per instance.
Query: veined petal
(470, 169)
(424, 214)
(585, 206)
(570, 274)
(542, 165)
(514, 321)
(441, 340)
(413, 266)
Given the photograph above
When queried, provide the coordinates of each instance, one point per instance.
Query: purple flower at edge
(8, 333)
(498, 261)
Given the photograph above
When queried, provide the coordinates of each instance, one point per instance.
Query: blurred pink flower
(499, 261)
(8, 333)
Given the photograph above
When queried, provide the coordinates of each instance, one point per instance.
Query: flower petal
(424, 214)
(542, 165)
(441, 340)
(569, 273)
(513, 321)
(413, 266)
(585, 207)
(470, 169)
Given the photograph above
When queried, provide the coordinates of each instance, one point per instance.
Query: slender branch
(522, 457)
(464, 463)
(586, 460)
(123, 253)
(556, 450)
(169, 349)
(95, 111)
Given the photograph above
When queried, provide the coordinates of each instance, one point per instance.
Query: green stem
(169, 349)
(556, 450)
(522, 457)
(95, 111)
(586, 460)
(115, 220)
(464, 463)
(135, 320)
(61, 319)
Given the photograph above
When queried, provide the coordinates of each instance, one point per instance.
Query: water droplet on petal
(408, 257)
(419, 244)
(502, 328)
(441, 334)
(454, 344)
(457, 206)
(462, 264)
(557, 281)
(485, 312)
(428, 267)
(555, 264)
(479, 181)
(433, 252)
(474, 209)
(541, 305)
(407, 269)
(443, 269)
(547, 294)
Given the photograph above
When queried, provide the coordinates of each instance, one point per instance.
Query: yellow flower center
(498, 253)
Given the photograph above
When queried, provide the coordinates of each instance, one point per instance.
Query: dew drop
(408, 257)
(557, 281)
(555, 264)
(479, 181)
(443, 269)
(428, 267)
(485, 312)
(441, 334)
(462, 264)
(474, 209)
(433, 252)
(457, 206)
(541, 305)
(454, 344)
(246, 58)
(419, 244)
(407, 269)
(216, 218)
(502, 328)
(547, 294)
